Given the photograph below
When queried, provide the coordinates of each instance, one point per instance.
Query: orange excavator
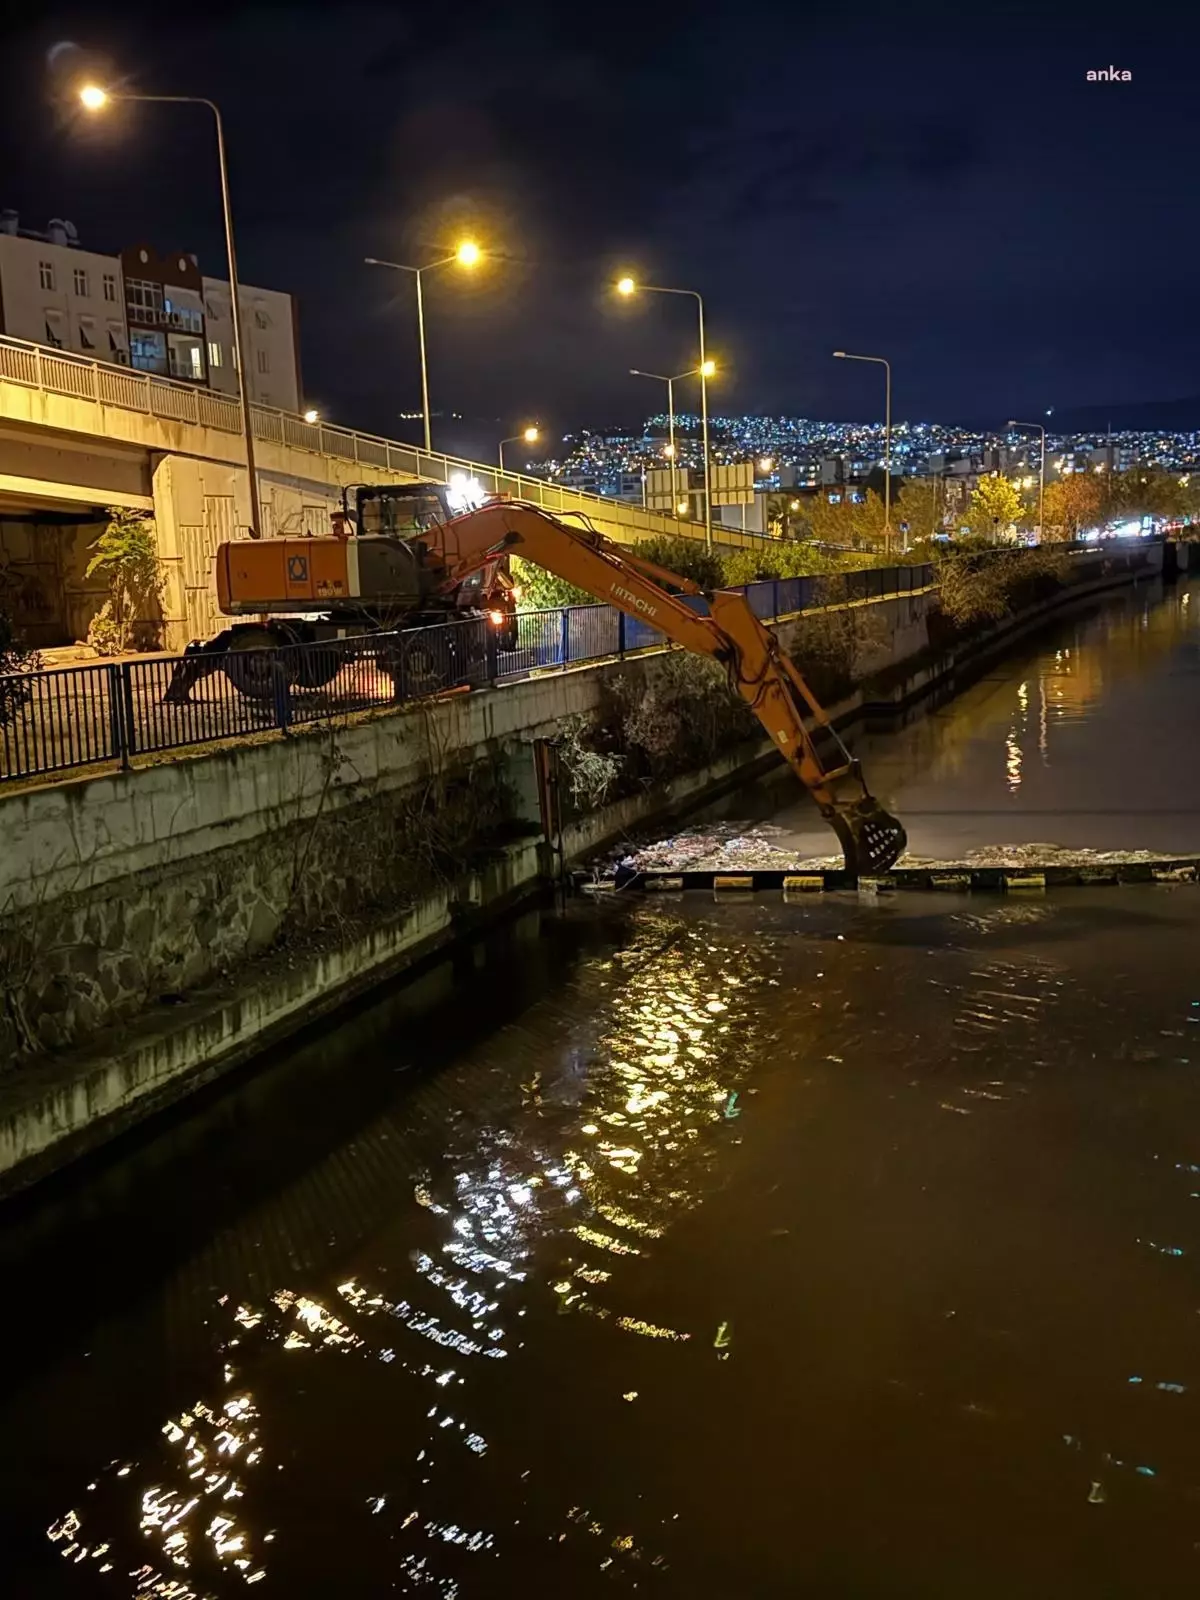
(436, 564)
(758, 669)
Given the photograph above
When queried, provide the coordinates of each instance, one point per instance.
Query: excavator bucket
(871, 838)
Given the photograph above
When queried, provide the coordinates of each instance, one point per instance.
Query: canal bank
(278, 805)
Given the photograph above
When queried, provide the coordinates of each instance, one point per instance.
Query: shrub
(126, 555)
(983, 587)
(105, 634)
(682, 717)
(592, 774)
(791, 558)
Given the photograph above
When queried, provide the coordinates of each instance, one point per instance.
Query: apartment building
(155, 312)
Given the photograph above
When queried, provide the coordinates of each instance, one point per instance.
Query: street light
(312, 416)
(846, 355)
(766, 463)
(94, 98)
(627, 286)
(1042, 485)
(529, 435)
(705, 370)
(467, 254)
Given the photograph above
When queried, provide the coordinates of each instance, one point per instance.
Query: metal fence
(55, 721)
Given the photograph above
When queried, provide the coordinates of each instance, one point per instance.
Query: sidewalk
(60, 657)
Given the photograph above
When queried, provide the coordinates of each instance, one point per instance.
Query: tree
(1144, 491)
(922, 506)
(544, 591)
(830, 522)
(1072, 504)
(690, 558)
(126, 555)
(994, 506)
(869, 520)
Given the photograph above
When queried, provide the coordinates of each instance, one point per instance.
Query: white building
(268, 337)
(54, 293)
(146, 310)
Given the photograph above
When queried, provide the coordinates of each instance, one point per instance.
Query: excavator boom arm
(759, 670)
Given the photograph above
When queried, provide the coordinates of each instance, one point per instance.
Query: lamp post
(95, 98)
(1042, 482)
(467, 254)
(528, 435)
(628, 286)
(846, 355)
(705, 370)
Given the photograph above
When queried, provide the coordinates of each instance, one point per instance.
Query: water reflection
(562, 1203)
(1068, 745)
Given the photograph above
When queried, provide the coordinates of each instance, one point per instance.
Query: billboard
(660, 494)
(733, 486)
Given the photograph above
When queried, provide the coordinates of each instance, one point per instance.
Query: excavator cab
(400, 510)
(411, 511)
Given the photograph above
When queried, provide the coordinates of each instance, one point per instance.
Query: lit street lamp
(529, 435)
(95, 98)
(468, 254)
(705, 370)
(627, 286)
(312, 415)
(845, 355)
(1042, 484)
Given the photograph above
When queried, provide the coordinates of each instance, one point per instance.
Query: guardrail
(38, 366)
(108, 713)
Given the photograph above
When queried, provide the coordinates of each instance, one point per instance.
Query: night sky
(934, 184)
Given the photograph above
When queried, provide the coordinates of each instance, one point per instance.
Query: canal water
(705, 1250)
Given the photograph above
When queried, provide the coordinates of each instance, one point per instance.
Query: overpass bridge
(78, 436)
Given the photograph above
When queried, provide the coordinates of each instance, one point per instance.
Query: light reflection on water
(609, 1149)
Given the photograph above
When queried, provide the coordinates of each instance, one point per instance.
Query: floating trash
(732, 847)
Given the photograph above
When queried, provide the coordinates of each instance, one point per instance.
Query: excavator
(428, 564)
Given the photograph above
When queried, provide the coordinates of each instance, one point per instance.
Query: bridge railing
(107, 713)
(82, 378)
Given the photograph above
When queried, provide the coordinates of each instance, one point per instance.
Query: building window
(54, 330)
(261, 320)
(186, 317)
(81, 281)
(144, 297)
(116, 344)
(46, 274)
(186, 359)
(264, 361)
(214, 354)
(148, 351)
(110, 286)
(87, 334)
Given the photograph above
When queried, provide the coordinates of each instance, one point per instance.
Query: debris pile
(711, 846)
(737, 847)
